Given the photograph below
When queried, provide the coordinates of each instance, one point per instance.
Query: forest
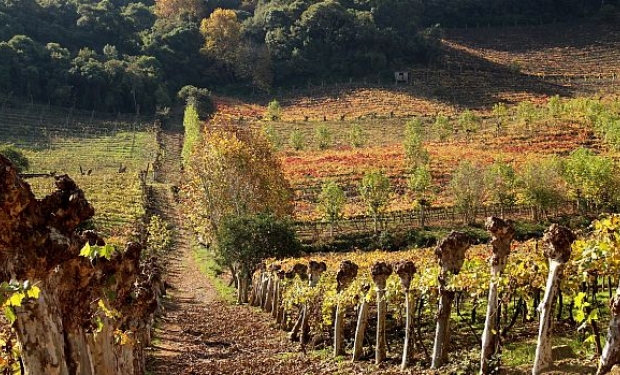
(134, 56)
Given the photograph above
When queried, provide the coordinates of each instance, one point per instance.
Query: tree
(297, 139)
(415, 152)
(191, 136)
(323, 137)
(591, 178)
(331, 203)
(200, 98)
(442, 127)
(175, 11)
(274, 110)
(420, 182)
(468, 189)
(555, 108)
(357, 136)
(526, 114)
(502, 185)
(469, 122)
(541, 184)
(222, 33)
(500, 111)
(375, 192)
(246, 240)
(233, 171)
(272, 135)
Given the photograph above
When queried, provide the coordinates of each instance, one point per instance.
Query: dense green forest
(134, 56)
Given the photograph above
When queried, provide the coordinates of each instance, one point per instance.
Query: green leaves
(92, 252)
(14, 294)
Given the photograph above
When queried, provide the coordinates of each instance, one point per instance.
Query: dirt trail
(199, 333)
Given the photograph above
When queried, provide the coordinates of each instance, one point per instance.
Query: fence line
(403, 220)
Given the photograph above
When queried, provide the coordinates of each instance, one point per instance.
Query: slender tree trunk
(543, 357)
(276, 298)
(442, 332)
(380, 271)
(339, 331)
(405, 271)
(269, 294)
(409, 310)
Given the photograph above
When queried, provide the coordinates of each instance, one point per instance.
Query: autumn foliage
(233, 171)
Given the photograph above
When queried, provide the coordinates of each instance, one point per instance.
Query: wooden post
(451, 255)
(362, 322)
(502, 233)
(558, 242)
(380, 271)
(271, 287)
(345, 276)
(405, 271)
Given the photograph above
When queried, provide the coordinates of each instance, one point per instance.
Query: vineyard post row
(407, 219)
(269, 287)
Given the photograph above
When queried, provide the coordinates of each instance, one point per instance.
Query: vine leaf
(93, 251)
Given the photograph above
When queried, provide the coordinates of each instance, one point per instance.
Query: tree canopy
(133, 56)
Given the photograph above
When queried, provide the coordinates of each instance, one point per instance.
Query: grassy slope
(117, 197)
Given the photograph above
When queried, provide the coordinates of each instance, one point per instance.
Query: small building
(401, 77)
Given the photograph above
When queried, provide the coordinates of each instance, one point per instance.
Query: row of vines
(328, 300)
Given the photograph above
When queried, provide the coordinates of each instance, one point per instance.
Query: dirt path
(199, 333)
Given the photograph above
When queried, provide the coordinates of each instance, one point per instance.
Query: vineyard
(328, 132)
(106, 196)
(110, 160)
(329, 300)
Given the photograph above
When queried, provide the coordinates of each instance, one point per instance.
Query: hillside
(479, 67)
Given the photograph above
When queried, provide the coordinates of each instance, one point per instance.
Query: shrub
(274, 110)
(16, 156)
(249, 239)
(297, 140)
(199, 98)
(323, 137)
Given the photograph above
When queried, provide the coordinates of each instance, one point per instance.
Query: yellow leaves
(124, 337)
(222, 32)
(107, 311)
(17, 295)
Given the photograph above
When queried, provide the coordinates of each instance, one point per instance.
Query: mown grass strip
(209, 267)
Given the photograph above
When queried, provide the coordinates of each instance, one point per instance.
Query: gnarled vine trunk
(611, 351)
(558, 242)
(40, 243)
(502, 233)
(451, 255)
(345, 276)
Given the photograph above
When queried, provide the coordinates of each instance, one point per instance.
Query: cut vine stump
(558, 241)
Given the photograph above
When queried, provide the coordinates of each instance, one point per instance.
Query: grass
(118, 198)
(209, 267)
